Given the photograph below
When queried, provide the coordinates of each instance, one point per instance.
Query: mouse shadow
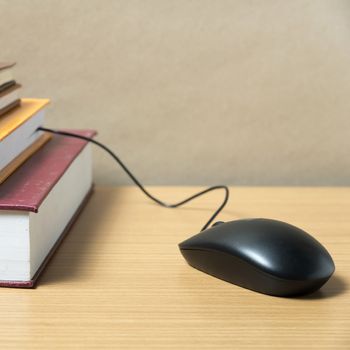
(334, 287)
(81, 239)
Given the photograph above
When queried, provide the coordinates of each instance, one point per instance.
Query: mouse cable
(137, 182)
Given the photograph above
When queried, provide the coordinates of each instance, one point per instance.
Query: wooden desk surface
(119, 280)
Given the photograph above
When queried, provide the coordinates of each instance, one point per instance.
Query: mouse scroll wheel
(218, 223)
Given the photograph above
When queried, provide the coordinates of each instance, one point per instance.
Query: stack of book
(44, 182)
(9, 97)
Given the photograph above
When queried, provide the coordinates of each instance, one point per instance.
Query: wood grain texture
(120, 282)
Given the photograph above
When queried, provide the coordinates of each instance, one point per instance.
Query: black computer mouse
(264, 255)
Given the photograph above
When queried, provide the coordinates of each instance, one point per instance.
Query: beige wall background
(194, 92)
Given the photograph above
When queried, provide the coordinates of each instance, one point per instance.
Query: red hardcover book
(39, 203)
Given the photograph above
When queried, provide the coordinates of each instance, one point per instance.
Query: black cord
(137, 182)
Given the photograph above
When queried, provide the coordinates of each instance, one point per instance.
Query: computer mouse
(263, 255)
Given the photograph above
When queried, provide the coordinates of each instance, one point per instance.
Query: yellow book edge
(14, 118)
(22, 157)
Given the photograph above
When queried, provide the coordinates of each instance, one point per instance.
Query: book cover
(7, 85)
(22, 157)
(6, 75)
(16, 117)
(9, 98)
(32, 283)
(27, 188)
(30, 184)
(9, 89)
(10, 106)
